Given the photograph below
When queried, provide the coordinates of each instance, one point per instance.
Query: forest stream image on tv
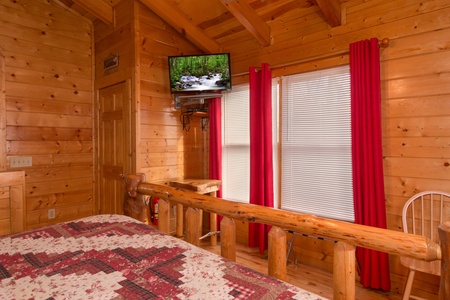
(200, 73)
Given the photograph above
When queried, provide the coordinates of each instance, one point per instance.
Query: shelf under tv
(187, 100)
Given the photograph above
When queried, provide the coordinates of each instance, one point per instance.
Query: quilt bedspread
(117, 257)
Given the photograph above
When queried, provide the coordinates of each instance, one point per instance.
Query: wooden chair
(421, 215)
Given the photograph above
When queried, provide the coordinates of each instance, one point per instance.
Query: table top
(201, 186)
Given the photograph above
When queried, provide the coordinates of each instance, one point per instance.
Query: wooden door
(115, 150)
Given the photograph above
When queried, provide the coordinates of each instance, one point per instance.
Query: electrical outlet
(20, 161)
(51, 213)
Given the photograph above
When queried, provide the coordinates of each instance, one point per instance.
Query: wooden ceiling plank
(98, 8)
(182, 24)
(332, 11)
(247, 16)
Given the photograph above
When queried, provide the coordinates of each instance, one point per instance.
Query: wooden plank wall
(119, 39)
(48, 94)
(165, 150)
(48, 81)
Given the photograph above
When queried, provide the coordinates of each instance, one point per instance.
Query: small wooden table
(200, 186)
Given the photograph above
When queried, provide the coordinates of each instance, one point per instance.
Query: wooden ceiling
(206, 23)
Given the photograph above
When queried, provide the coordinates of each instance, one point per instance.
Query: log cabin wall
(48, 100)
(48, 107)
(115, 39)
(165, 149)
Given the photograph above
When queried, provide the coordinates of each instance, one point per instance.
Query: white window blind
(236, 142)
(316, 144)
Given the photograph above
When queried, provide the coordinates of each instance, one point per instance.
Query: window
(316, 174)
(316, 144)
(236, 145)
(236, 142)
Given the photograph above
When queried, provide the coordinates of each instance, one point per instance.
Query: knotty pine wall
(143, 42)
(48, 100)
(165, 149)
(48, 81)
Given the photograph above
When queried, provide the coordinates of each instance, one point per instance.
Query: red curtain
(215, 140)
(367, 154)
(261, 167)
(215, 144)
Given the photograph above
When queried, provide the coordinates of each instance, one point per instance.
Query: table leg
(213, 227)
(213, 224)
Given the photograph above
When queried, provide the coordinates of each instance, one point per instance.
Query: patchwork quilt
(117, 257)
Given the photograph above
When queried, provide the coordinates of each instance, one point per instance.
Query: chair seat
(431, 267)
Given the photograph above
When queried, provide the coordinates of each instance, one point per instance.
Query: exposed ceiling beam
(183, 25)
(332, 11)
(247, 16)
(99, 9)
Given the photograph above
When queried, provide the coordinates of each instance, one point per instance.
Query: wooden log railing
(347, 235)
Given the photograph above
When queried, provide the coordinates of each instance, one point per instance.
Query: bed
(119, 257)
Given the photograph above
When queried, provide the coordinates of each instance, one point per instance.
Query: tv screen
(200, 73)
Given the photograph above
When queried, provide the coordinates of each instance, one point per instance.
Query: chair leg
(409, 283)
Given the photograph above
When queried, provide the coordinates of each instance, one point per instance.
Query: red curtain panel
(368, 180)
(261, 166)
(215, 140)
(215, 144)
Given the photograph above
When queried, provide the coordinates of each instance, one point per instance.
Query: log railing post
(228, 238)
(444, 236)
(192, 224)
(134, 203)
(277, 253)
(344, 271)
(164, 215)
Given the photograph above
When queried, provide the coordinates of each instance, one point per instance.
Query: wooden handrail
(358, 235)
(347, 235)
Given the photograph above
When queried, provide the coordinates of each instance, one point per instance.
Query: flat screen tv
(200, 73)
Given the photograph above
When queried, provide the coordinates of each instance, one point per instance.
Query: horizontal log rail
(347, 235)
